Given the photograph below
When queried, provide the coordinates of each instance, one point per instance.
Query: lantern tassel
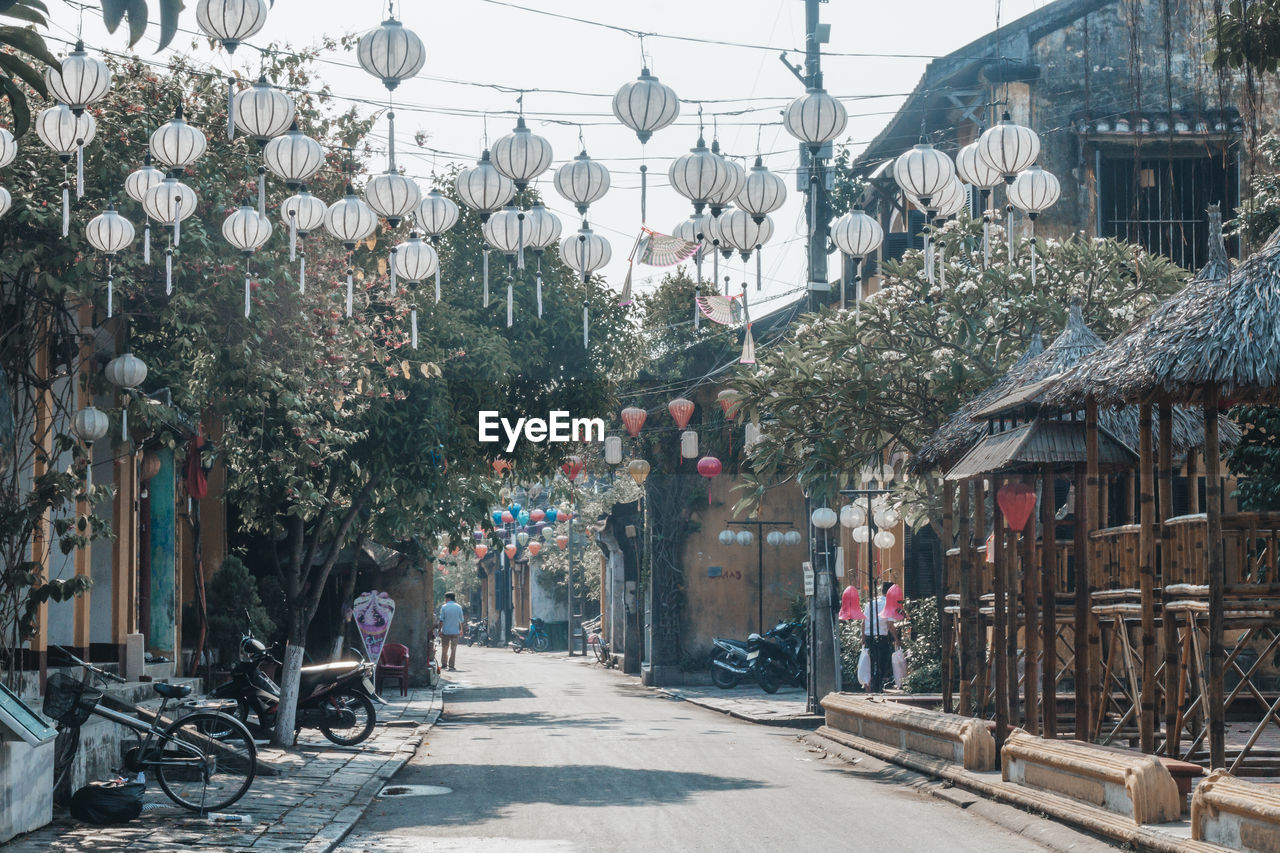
(350, 290)
(66, 208)
(124, 419)
(715, 270)
(413, 323)
(393, 270)
(748, 348)
(697, 314)
(293, 236)
(79, 171)
(168, 272)
(146, 242)
(539, 294)
(110, 289)
(302, 273)
(486, 278)
(1008, 227)
(520, 239)
(510, 300)
(437, 284)
(759, 275)
(644, 192)
(586, 325)
(262, 191)
(391, 140)
(942, 264)
(231, 101)
(177, 222)
(247, 288)
(1033, 254)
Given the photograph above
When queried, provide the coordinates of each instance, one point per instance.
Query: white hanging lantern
(549, 532)
(392, 196)
(751, 435)
(6, 201)
(823, 518)
(391, 53)
(699, 175)
(885, 540)
(735, 180)
(436, 214)
(542, 228)
(745, 538)
(303, 212)
(763, 192)
(774, 538)
(613, 450)
(177, 145)
(689, 444)
(727, 537)
(792, 537)
(857, 234)
(521, 155)
(505, 231)
(1034, 191)
(862, 534)
(169, 203)
(974, 170)
(483, 188)
(80, 80)
(293, 157)
(947, 202)
(262, 111)
(231, 21)
(815, 118)
(109, 232)
(585, 252)
(852, 516)
(65, 132)
(693, 230)
(140, 181)
(8, 148)
(886, 516)
(127, 372)
(1008, 148)
(646, 105)
(350, 220)
(923, 172)
(737, 229)
(90, 424)
(415, 261)
(246, 229)
(582, 181)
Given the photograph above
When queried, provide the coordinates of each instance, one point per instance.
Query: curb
(807, 722)
(345, 820)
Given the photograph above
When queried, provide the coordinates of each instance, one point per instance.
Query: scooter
(336, 698)
(532, 637)
(778, 657)
(477, 632)
(728, 662)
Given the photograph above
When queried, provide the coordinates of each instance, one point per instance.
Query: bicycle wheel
(360, 705)
(202, 772)
(541, 643)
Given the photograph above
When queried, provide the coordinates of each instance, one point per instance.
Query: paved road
(544, 753)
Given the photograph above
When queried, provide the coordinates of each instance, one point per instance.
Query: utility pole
(818, 206)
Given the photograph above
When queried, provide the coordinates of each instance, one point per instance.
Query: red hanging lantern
(633, 418)
(681, 410)
(507, 517)
(534, 547)
(709, 467)
(727, 398)
(536, 515)
(481, 550)
(563, 541)
(1017, 502)
(501, 466)
(572, 467)
(510, 551)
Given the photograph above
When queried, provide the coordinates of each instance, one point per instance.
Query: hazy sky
(480, 41)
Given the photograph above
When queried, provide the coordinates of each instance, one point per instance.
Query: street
(546, 753)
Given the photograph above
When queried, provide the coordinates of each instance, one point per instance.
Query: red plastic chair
(393, 663)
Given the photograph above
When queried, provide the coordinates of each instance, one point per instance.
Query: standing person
(450, 619)
(879, 644)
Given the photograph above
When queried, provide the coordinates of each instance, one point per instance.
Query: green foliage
(16, 71)
(922, 643)
(1247, 35)
(1256, 459)
(137, 13)
(234, 605)
(850, 649)
(1259, 216)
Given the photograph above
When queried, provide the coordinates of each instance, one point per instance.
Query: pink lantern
(633, 418)
(563, 541)
(850, 605)
(507, 517)
(1017, 502)
(537, 515)
(681, 410)
(572, 467)
(534, 547)
(481, 550)
(892, 609)
(510, 551)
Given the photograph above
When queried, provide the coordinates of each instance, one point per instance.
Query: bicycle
(591, 629)
(204, 761)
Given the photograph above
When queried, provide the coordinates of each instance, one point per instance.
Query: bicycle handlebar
(101, 673)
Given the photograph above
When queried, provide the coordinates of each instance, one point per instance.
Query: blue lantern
(514, 509)
(523, 518)
(497, 518)
(551, 515)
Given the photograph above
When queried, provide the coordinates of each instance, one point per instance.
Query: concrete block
(135, 656)
(1135, 785)
(953, 738)
(1236, 814)
(26, 787)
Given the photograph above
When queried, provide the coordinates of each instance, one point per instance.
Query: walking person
(450, 620)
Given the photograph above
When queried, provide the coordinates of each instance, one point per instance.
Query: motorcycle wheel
(541, 643)
(366, 718)
(768, 681)
(722, 678)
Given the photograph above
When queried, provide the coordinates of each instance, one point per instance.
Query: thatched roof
(1037, 443)
(1223, 327)
(960, 432)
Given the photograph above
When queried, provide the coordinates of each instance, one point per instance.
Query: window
(1160, 202)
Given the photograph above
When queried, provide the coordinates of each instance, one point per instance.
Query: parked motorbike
(772, 659)
(477, 632)
(534, 637)
(336, 698)
(728, 662)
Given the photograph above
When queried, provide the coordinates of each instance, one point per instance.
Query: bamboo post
(1217, 579)
(982, 665)
(1146, 581)
(1086, 523)
(998, 627)
(968, 608)
(1193, 483)
(947, 623)
(1048, 592)
(1169, 633)
(1031, 628)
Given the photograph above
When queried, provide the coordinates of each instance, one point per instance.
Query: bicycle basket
(68, 700)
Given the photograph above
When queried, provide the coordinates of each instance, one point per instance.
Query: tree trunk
(290, 682)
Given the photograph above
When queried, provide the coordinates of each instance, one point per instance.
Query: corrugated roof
(1037, 443)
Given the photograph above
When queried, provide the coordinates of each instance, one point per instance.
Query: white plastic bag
(864, 668)
(899, 667)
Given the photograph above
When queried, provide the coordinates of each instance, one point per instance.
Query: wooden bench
(953, 738)
(1237, 814)
(1131, 784)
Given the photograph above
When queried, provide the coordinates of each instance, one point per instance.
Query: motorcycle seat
(172, 691)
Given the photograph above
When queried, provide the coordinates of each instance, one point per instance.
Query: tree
(15, 69)
(854, 385)
(1247, 35)
(138, 14)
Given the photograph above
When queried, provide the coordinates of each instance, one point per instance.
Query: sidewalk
(323, 792)
(750, 703)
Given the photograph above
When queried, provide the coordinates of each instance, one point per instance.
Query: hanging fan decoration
(109, 233)
(136, 186)
(724, 310)
(168, 203)
(247, 230)
(303, 213)
(415, 262)
(67, 134)
(662, 250)
(748, 341)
